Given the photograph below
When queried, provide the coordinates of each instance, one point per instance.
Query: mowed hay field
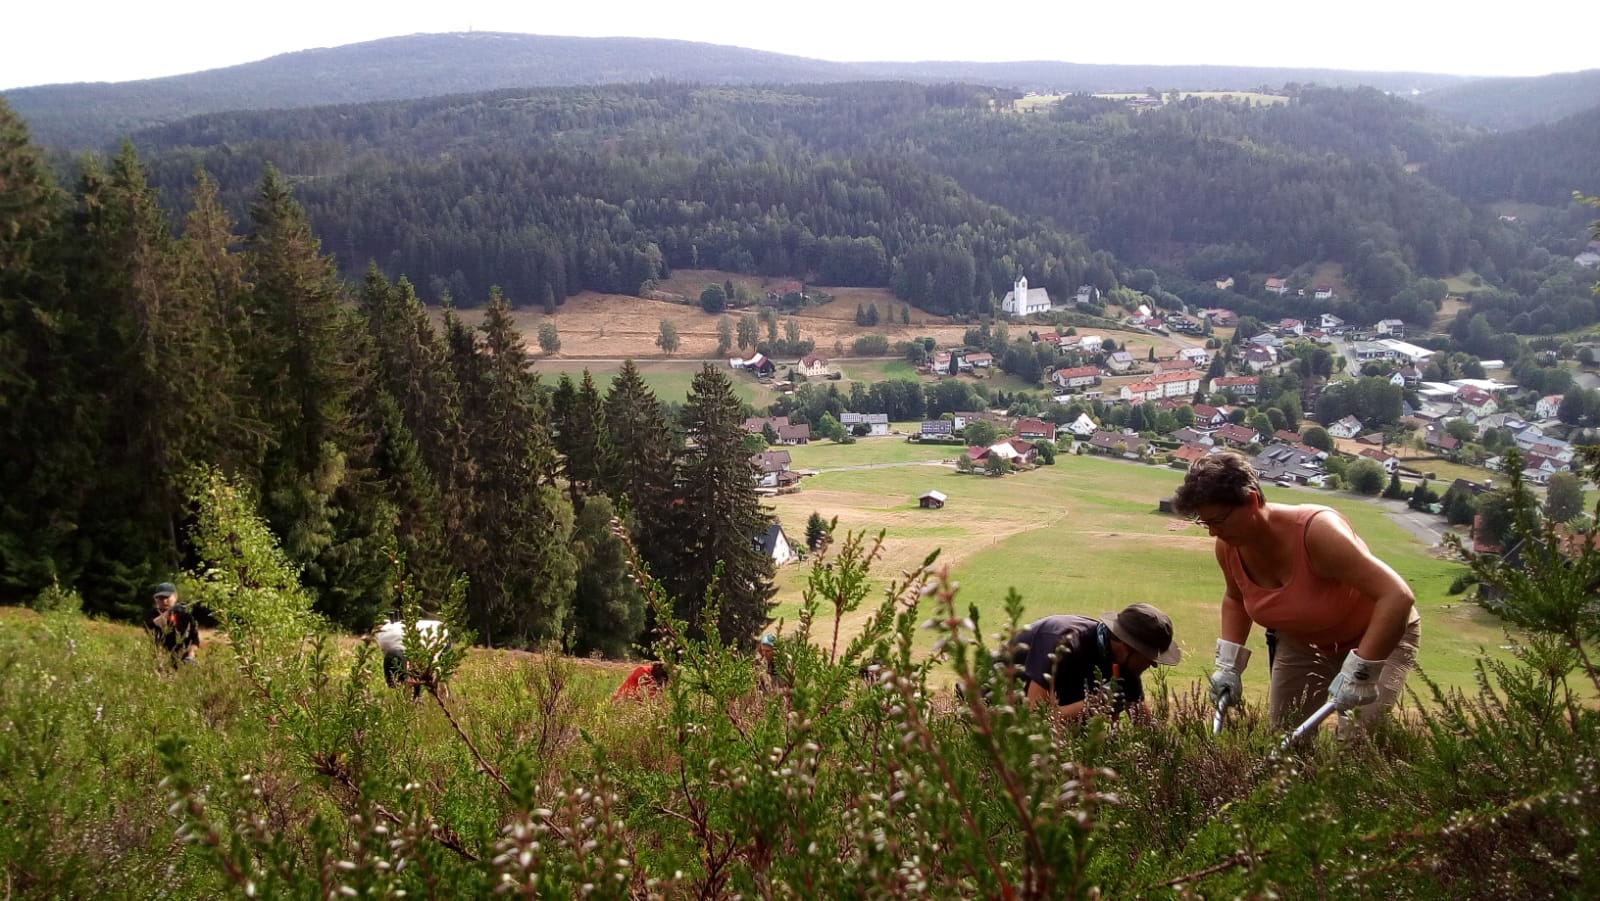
(1084, 536)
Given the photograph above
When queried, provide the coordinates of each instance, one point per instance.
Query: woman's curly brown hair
(1224, 479)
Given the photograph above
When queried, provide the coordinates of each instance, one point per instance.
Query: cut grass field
(669, 380)
(1085, 537)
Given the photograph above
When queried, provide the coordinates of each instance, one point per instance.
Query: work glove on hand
(1357, 683)
(1225, 681)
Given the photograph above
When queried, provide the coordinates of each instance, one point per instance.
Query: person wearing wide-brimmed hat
(1067, 659)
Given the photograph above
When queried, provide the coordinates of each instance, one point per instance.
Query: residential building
(1237, 385)
(1129, 443)
(937, 428)
(814, 366)
(1348, 427)
(1120, 361)
(1235, 435)
(1277, 286)
(1076, 377)
(1035, 428)
(1548, 406)
(1394, 328)
(1388, 461)
(981, 361)
(877, 423)
(1172, 384)
(770, 466)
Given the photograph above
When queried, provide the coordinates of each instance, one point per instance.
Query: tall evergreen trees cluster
(381, 448)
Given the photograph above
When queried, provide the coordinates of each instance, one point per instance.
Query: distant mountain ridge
(92, 115)
(1510, 103)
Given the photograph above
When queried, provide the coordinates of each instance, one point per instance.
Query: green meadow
(1085, 536)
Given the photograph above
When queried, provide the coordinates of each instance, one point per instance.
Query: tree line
(387, 453)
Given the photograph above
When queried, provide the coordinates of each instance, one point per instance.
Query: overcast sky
(98, 40)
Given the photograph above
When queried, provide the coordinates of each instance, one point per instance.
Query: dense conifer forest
(247, 289)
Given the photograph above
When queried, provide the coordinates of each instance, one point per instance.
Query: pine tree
(577, 420)
(721, 517)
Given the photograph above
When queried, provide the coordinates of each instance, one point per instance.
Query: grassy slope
(1084, 537)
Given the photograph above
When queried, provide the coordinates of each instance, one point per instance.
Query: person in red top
(645, 681)
(1346, 623)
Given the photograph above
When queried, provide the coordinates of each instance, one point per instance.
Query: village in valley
(1192, 391)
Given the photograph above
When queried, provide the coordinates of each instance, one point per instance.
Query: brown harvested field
(619, 326)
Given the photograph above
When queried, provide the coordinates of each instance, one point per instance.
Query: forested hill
(423, 65)
(1510, 103)
(846, 183)
(1542, 165)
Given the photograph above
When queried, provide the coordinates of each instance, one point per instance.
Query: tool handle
(1311, 723)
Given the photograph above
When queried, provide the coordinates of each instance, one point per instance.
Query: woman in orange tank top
(1346, 621)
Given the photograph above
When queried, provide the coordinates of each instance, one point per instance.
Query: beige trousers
(1301, 675)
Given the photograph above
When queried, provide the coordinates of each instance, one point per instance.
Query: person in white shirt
(391, 638)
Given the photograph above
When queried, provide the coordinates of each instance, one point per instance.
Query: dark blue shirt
(1072, 656)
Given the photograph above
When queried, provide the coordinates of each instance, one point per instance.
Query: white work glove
(1357, 683)
(1225, 682)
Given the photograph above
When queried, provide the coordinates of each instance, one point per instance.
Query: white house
(877, 423)
(1548, 406)
(1388, 461)
(1076, 377)
(813, 366)
(1081, 427)
(1392, 327)
(1087, 294)
(1120, 361)
(1277, 286)
(1348, 427)
(1156, 387)
(1199, 356)
(1024, 301)
(775, 544)
(1331, 322)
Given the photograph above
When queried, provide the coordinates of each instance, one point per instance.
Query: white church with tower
(1024, 301)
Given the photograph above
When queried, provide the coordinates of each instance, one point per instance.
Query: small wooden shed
(933, 500)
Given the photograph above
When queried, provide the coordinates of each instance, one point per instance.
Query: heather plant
(844, 771)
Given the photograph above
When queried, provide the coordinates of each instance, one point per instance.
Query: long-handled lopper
(1311, 723)
(1223, 704)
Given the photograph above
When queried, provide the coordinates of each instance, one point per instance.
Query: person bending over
(1066, 659)
(1346, 623)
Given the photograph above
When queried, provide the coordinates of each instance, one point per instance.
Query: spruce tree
(608, 608)
(639, 469)
(524, 574)
(720, 518)
(133, 312)
(306, 362)
(41, 485)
